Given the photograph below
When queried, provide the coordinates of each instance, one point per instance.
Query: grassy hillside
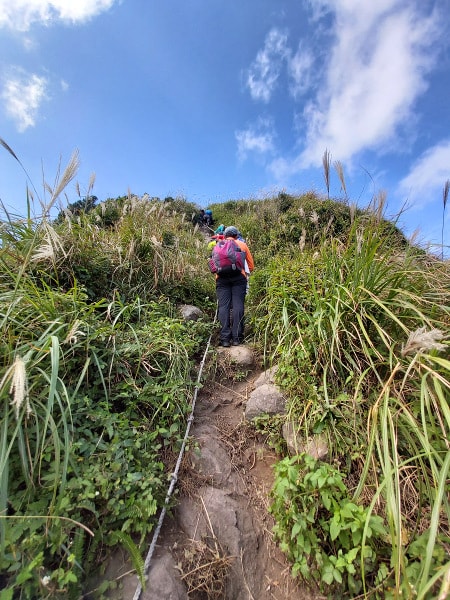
(357, 322)
(98, 369)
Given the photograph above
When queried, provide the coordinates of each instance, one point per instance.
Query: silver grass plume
(444, 201)
(69, 173)
(91, 182)
(326, 161)
(19, 387)
(314, 218)
(302, 240)
(414, 237)
(377, 205)
(49, 249)
(74, 333)
(359, 240)
(421, 340)
(328, 225)
(340, 172)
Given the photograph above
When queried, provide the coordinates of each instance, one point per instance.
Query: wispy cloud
(22, 95)
(264, 72)
(258, 138)
(377, 69)
(300, 70)
(21, 14)
(427, 177)
(360, 91)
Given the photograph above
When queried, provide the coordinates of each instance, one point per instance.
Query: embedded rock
(164, 581)
(190, 313)
(212, 460)
(267, 376)
(220, 518)
(265, 399)
(316, 445)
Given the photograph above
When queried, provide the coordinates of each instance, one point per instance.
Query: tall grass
(95, 378)
(358, 329)
(82, 377)
(326, 163)
(444, 205)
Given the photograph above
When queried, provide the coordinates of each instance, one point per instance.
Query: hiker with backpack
(227, 262)
(208, 218)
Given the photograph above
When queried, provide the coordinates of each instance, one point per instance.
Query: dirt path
(218, 541)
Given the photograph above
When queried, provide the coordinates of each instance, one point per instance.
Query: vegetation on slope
(357, 326)
(97, 373)
(98, 367)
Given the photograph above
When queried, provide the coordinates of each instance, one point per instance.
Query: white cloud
(264, 73)
(265, 70)
(299, 69)
(426, 179)
(283, 168)
(21, 14)
(258, 138)
(376, 72)
(364, 74)
(22, 95)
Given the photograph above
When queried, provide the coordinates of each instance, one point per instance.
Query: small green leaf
(327, 574)
(335, 529)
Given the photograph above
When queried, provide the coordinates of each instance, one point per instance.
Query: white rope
(174, 476)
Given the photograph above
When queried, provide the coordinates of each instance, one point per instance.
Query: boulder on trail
(267, 376)
(266, 399)
(189, 312)
(241, 356)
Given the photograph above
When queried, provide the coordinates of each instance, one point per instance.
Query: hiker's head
(231, 232)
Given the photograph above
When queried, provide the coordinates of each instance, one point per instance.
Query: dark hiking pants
(231, 297)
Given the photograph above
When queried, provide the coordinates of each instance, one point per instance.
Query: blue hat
(231, 232)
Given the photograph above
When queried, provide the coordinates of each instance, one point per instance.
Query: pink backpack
(227, 258)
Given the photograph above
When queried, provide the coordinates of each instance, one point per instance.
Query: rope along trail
(174, 476)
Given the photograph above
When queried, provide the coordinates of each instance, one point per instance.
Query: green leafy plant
(270, 426)
(328, 538)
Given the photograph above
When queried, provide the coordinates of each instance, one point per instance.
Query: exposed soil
(218, 541)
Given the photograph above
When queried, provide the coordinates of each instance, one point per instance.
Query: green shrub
(328, 538)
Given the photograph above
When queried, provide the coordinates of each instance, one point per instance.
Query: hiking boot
(225, 344)
(236, 342)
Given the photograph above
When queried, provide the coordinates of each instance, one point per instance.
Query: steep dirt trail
(217, 543)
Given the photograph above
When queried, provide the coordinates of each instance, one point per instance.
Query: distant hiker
(231, 285)
(208, 218)
(220, 229)
(199, 217)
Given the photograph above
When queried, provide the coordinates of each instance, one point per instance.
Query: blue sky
(215, 100)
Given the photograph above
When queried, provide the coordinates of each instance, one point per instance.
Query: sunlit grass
(359, 333)
(95, 378)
